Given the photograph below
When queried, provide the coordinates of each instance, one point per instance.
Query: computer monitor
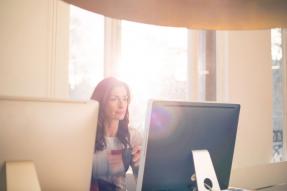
(173, 130)
(57, 135)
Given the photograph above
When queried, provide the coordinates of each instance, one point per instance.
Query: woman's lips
(120, 112)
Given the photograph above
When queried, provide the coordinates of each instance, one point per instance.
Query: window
(154, 64)
(86, 52)
(157, 62)
(278, 75)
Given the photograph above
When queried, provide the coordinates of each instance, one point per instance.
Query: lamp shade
(198, 14)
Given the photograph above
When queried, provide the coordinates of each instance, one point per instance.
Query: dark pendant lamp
(197, 14)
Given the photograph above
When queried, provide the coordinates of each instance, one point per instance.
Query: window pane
(277, 94)
(154, 64)
(86, 65)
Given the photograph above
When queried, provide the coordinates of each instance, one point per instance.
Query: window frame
(284, 78)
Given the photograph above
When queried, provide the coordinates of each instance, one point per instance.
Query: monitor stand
(206, 179)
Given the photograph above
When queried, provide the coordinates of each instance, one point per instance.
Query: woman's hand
(115, 161)
(136, 154)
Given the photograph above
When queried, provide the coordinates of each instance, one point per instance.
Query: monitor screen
(57, 135)
(173, 130)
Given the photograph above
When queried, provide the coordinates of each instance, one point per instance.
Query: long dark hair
(101, 94)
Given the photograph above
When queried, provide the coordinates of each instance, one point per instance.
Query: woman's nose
(120, 103)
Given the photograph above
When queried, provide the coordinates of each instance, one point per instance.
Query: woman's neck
(111, 128)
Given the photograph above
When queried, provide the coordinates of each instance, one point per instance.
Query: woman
(117, 146)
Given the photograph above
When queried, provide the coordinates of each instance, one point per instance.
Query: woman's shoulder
(136, 136)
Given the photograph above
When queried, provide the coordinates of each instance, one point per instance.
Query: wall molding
(58, 49)
(52, 33)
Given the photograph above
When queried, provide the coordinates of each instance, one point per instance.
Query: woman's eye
(113, 99)
(125, 99)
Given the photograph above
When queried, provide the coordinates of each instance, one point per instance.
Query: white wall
(245, 77)
(34, 48)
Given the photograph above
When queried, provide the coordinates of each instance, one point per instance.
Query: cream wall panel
(28, 46)
(23, 47)
(245, 75)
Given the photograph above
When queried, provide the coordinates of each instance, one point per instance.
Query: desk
(282, 187)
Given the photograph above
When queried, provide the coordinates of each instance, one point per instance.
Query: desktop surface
(279, 187)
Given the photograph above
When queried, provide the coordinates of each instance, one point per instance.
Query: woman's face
(117, 104)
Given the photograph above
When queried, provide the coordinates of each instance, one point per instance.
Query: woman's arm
(136, 154)
(136, 143)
